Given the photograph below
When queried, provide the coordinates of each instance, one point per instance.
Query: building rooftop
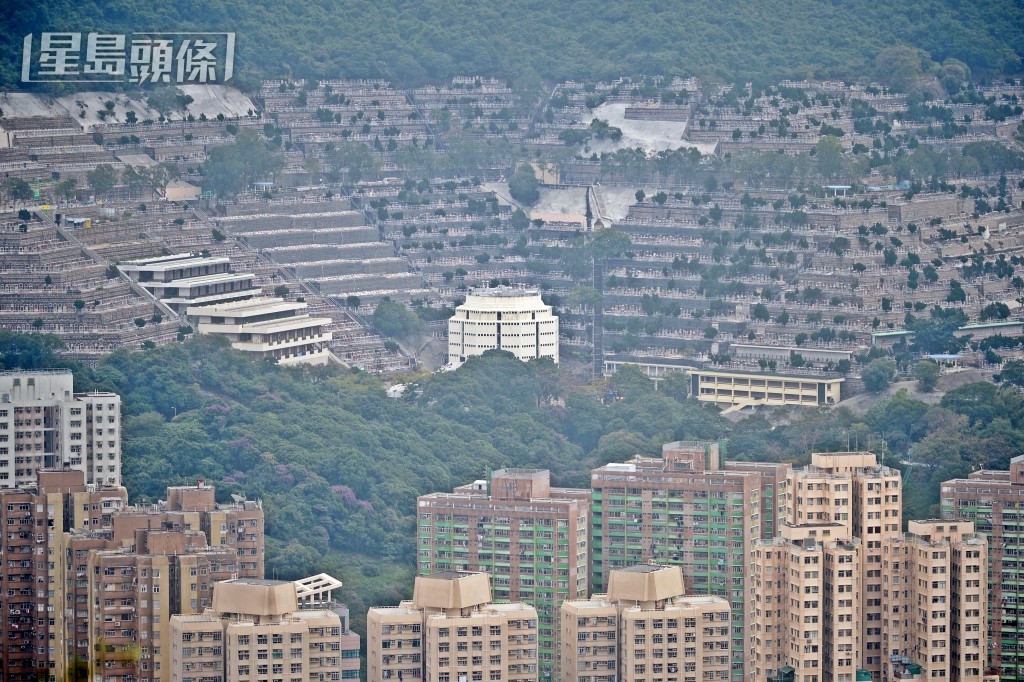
(503, 292)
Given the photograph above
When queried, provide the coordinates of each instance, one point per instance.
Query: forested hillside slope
(411, 41)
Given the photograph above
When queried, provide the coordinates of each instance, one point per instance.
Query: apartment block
(843, 594)
(853, 490)
(44, 424)
(690, 510)
(266, 630)
(935, 601)
(529, 537)
(451, 631)
(645, 629)
(90, 581)
(994, 500)
(806, 594)
(35, 618)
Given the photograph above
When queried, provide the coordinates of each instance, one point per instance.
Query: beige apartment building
(451, 632)
(90, 581)
(935, 596)
(263, 630)
(806, 596)
(530, 538)
(37, 624)
(843, 594)
(864, 497)
(646, 630)
(691, 510)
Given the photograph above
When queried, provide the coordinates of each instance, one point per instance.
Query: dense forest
(528, 42)
(338, 465)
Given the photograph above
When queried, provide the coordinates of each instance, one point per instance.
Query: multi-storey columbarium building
(269, 327)
(504, 318)
(189, 279)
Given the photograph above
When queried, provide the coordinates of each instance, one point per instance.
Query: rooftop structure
(251, 626)
(645, 629)
(452, 630)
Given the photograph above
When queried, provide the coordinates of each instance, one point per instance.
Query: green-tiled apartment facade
(530, 538)
(994, 500)
(684, 510)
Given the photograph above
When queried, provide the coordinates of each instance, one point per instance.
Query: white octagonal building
(506, 318)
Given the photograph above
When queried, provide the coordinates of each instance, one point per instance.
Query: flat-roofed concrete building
(270, 327)
(44, 424)
(864, 497)
(743, 389)
(690, 510)
(185, 279)
(530, 538)
(645, 629)
(994, 501)
(516, 320)
(451, 632)
(264, 630)
(806, 595)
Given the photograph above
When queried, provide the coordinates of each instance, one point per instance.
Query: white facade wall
(514, 320)
(45, 425)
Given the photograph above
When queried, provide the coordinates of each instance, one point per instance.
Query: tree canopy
(438, 39)
(233, 166)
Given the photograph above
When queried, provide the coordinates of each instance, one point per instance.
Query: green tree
(231, 167)
(523, 185)
(900, 66)
(356, 159)
(878, 374)
(17, 190)
(630, 381)
(675, 385)
(927, 374)
(395, 320)
(829, 154)
(102, 179)
(65, 189)
(1013, 373)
